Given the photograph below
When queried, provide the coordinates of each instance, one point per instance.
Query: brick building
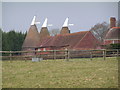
(83, 40)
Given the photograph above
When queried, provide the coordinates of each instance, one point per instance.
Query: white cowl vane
(34, 21)
(45, 24)
(66, 23)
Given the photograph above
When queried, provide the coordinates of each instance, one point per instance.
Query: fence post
(10, 55)
(91, 55)
(54, 54)
(68, 55)
(117, 53)
(65, 53)
(104, 54)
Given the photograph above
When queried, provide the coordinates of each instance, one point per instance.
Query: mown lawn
(76, 73)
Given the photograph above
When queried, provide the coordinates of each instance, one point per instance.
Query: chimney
(112, 22)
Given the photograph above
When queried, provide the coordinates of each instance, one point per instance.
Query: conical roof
(64, 30)
(113, 33)
(32, 38)
(43, 33)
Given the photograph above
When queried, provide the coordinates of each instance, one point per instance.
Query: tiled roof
(32, 38)
(43, 33)
(83, 39)
(88, 42)
(113, 33)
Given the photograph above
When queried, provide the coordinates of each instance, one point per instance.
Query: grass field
(76, 73)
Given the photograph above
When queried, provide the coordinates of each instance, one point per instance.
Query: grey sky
(19, 15)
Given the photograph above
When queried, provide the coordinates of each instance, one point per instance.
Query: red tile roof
(113, 33)
(83, 39)
(116, 27)
(88, 42)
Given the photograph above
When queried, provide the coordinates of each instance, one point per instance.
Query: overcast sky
(83, 15)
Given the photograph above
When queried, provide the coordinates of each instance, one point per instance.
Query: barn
(83, 40)
(80, 40)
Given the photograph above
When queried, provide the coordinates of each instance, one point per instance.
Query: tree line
(12, 40)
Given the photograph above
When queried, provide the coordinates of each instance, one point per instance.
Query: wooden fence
(59, 54)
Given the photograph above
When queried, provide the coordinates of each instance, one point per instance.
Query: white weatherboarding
(45, 24)
(34, 21)
(66, 23)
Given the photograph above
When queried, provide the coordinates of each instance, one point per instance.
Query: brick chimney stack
(112, 22)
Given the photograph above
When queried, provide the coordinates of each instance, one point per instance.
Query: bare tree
(99, 30)
(54, 32)
(118, 23)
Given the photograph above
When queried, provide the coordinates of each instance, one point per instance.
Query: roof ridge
(115, 27)
(72, 33)
(47, 41)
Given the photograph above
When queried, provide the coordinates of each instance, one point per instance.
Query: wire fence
(59, 54)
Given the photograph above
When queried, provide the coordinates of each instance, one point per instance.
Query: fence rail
(60, 54)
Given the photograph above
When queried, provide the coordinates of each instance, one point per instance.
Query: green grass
(76, 73)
